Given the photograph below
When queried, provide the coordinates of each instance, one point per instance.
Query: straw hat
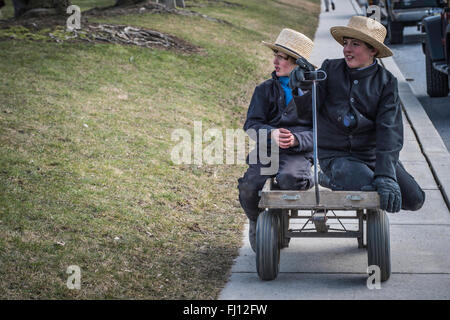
(293, 43)
(364, 29)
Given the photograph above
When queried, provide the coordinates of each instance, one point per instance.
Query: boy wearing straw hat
(272, 109)
(359, 122)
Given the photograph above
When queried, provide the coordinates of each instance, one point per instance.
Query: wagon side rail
(306, 200)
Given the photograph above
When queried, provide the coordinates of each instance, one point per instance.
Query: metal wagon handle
(314, 76)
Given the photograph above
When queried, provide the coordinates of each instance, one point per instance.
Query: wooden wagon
(273, 231)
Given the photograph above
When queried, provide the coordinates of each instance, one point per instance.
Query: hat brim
(339, 33)
(284, 50)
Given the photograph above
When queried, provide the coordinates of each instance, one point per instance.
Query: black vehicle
(397, 14)
(436, 47)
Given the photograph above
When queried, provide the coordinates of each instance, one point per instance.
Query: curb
(430, 142)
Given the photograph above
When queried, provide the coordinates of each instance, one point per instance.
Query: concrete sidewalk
(327, 268)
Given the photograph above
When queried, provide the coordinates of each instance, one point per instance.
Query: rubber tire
(284, 220)
(267, 245)
(378, 242)
(395, 31)
(437, 82)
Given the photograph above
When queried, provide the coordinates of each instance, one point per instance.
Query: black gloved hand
(389, 192)
(297, 76)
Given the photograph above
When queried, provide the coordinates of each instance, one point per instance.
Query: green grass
(85, 141)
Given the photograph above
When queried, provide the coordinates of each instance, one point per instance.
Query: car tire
(395, 31)
(437, 82)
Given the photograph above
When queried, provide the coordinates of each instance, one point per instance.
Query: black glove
(297, 76)
(389, 192)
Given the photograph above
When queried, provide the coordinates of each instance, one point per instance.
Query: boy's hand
(284, 138)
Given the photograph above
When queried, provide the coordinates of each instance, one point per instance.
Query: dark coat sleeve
(305, 140)
(304, 109)
(258, 112)
(322, 85)
(389, 131)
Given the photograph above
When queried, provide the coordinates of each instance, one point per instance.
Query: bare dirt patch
(39, 25)
(147, 7)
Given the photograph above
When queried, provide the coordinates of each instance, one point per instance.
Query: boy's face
(357, 54)
(283, 64)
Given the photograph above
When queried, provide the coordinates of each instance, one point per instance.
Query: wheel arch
(433, 38)
(447, 44)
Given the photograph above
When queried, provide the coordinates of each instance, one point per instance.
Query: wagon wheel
(284, 225)
(267, 245)
(283, 241)
(378, 242)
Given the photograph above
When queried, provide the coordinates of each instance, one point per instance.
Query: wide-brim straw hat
(364, 29)
(293, 43)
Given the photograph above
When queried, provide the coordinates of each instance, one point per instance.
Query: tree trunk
(168, 3)
(41, 6)
(180, 3)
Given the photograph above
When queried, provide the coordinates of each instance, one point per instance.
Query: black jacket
(268, 111)
(372, 95)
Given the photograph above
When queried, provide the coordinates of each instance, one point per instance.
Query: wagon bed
(274, 198)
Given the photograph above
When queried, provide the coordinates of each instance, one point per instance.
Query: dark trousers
(294, 173)
(348, 173)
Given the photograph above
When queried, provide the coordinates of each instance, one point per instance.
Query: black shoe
(252, 234)
(333, 6)
(326, 10)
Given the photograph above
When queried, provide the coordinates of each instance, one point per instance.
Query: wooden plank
(336, 200)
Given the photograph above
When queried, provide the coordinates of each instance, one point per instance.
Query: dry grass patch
(86, 176)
